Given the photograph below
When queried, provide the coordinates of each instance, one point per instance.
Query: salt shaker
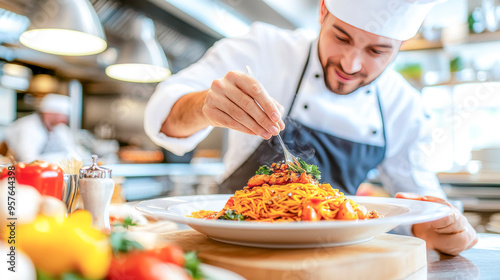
(96, 190)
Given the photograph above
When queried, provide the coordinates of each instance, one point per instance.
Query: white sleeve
(157, 110)
(226, 55)
(408, 133)
(24, 147)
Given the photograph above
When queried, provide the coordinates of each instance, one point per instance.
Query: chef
(44, 135)
(343, 109)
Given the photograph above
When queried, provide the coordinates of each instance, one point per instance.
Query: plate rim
(419, 212)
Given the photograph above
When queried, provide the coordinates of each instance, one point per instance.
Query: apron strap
(381, 117)
(300, 80)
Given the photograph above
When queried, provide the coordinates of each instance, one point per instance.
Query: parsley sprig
(192, 265)
(120, 242)
(232, 215)
(264, 169)
(309, 168)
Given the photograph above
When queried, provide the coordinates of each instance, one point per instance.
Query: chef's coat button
(305, 106)
(368, 91)
(316, 75)
(374, 132)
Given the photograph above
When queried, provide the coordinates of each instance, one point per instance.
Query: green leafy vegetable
(264, 169)
(66, 276)
(121, 243)
(232, 215)
(42, 276)
(128, 222)
(73, 276)
(192, 266)
(309, 168)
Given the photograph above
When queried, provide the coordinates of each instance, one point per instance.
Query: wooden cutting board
(387, 256)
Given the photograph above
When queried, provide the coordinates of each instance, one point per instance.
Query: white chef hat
(55, 103)
(396, 19)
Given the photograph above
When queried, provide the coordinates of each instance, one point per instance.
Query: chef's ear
(323, 11)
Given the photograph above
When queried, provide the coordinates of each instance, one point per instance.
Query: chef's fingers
(446, 225)
(256, 91)
(250, 114)
(280, 107)
(414, 196)
(232, 114)
(223, 119)
(282, 112)
(436, 200)
(408, 195)
(454, 223)
(451, 224)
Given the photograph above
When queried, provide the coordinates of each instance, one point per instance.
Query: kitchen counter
(480, 262)
(461, 178)
(150, 180)
(167, 169)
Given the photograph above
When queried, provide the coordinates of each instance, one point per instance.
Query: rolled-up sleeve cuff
(180, 146)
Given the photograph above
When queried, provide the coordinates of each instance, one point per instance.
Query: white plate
(216, 273)
(293, 234)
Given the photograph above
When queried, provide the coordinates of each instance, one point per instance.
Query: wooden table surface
(385, 257)
(480, 262)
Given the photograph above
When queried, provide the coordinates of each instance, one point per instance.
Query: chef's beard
(330, 67)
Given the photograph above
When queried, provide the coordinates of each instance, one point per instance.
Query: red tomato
(140, 265)
(309, 214)
(172, 253)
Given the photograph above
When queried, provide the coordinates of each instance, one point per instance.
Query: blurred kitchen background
(454, 61)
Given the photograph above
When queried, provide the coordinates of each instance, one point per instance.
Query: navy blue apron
(343, 164)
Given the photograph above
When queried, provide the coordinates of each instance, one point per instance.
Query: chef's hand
(450, 235)
(231, 102)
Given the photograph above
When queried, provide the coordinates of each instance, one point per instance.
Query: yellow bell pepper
(57, 245)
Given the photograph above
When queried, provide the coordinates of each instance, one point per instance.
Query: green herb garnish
(192, 266)
(66, 276)
(128, 222)
(309, 168)
(264, 169)
(232, 215)
(120, 242)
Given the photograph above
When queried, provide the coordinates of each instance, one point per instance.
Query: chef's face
(52, 119)
(350, 57)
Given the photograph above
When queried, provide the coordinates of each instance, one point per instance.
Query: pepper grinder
(96, 190)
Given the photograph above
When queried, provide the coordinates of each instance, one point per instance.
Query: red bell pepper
(156, 264)
(46, 177)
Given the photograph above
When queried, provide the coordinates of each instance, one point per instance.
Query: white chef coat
(277, 57)
(29, 140)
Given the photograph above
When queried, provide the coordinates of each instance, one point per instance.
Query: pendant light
(141, 58)
(64, 28)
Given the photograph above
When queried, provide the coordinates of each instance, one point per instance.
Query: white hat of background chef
(55, 103)
(396, 19)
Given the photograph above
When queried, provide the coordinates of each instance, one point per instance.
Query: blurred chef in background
(44, 135)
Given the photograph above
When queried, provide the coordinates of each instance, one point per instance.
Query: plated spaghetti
(282, 194)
